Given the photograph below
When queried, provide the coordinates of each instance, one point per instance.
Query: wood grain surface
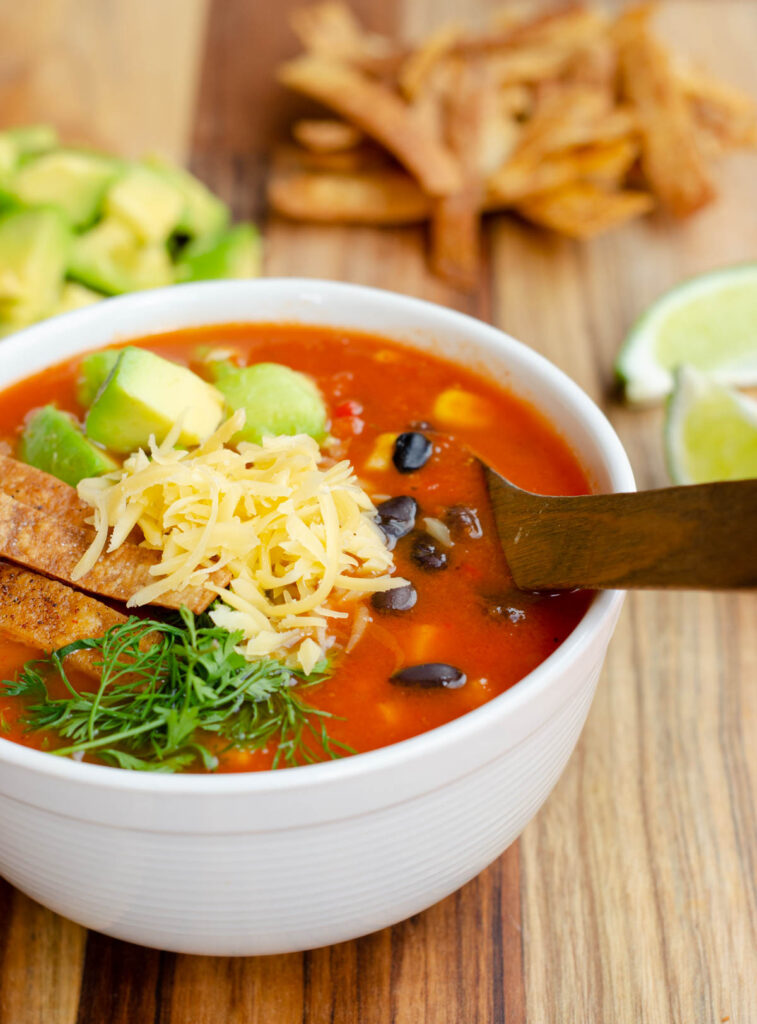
(632, 897)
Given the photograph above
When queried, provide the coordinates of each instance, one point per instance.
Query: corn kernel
(458, 408)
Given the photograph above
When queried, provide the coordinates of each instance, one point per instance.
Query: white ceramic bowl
(274, 862)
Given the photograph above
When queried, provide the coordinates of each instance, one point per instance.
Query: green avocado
(93, 372)
(32, 139)
(146, 395)
(53, 441)
(76, 296)
(276, 400)
(34, 248)
(111, 259)
(74, 182)
(235, 252)
(147, 202)
(203, 213)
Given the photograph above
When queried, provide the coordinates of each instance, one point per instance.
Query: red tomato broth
(380, 386)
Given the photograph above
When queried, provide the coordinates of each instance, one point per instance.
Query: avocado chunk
(93, 372)
(146, 395)
(8, 159)
(148, 203)
(76, 296)
(34, 248)
(203, 213)
(235, 252)
(73, 182)
(52, 440)
(31, 139)
(111, 259)
(276, 400)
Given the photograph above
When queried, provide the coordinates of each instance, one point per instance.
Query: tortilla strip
(727, 115)
(381, 114)
(379, 197)
(603, 163)
(670, 157)
(582, 210)
(42, 491)
(43, 542)
(325, 135)
(455, 247)
(49, 615)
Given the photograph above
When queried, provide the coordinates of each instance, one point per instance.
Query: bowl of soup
(332, 708)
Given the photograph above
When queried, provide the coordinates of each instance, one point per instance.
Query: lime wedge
(710, 431)
(709, 322)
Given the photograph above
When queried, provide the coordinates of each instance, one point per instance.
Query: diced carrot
(421, 643)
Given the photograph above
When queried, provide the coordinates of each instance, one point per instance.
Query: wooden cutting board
(633, 895)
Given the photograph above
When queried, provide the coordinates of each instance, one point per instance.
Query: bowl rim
(602, 610)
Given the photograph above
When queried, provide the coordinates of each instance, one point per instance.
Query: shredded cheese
(294, 532)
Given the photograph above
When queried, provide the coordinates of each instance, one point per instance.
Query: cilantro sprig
(164, 687)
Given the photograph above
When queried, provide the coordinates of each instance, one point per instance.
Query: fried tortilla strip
(726, 115)
(380, 113)
(419, 64)
(378, 197)
(568, 114)
(604, 164)
(49, 615)
(42, 491)
(481, 136)
(332, 30)
(322, 135)
(671, 159)
(49, 545)
(582, 210)
(365, 157)
(455, 229)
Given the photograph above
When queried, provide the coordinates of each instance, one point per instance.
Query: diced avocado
(204, 213)
(72, 181)
(76, 296)
(8, 157)
(34, 248)
(93, 372)
(276, 400)
(31, 139)
(144, 200)
(52, 440)
(235, 252)
(110, 258)
(146, 394)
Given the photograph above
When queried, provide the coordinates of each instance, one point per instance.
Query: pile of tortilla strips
(572, 119)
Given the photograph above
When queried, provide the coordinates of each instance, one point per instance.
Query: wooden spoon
(700, 537)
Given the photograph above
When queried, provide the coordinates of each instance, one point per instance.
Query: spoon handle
(700, 537)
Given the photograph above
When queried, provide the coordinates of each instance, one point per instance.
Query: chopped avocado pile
(131, 394)
(77, 225)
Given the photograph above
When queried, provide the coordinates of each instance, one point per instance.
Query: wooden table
(633, 895)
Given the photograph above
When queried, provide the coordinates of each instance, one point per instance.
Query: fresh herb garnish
(162, 686)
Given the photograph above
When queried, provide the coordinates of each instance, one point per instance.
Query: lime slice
(709, 322)
(710, 431)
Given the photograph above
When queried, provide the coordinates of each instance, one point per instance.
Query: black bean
(464, 520)
(396, 517)
(401, 599)
(411, 451)
(427, 553)
(434, 674)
